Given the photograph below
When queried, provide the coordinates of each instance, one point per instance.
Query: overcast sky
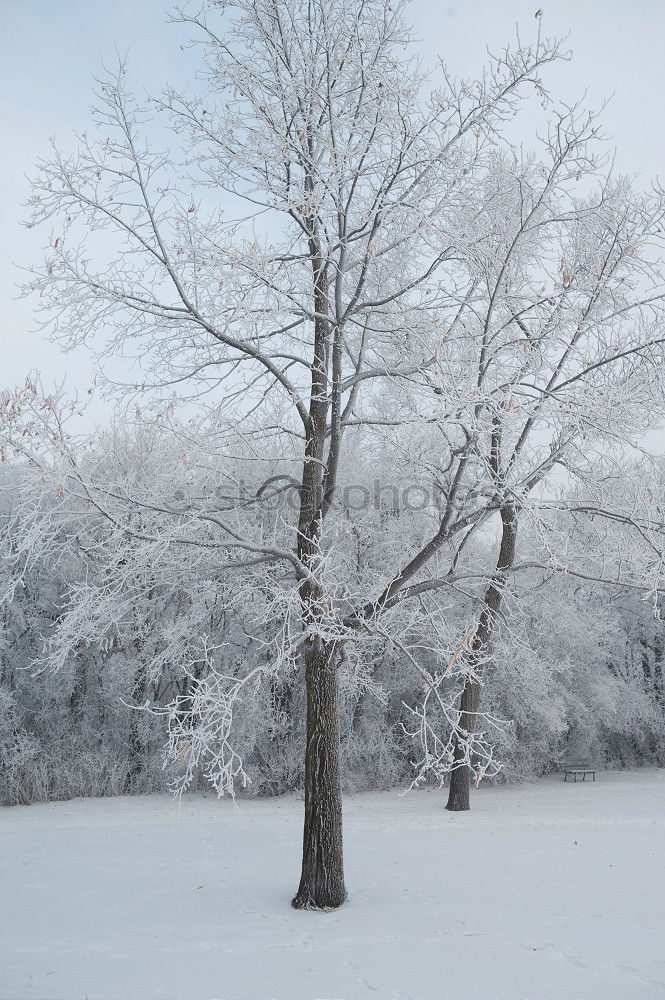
(51, 49)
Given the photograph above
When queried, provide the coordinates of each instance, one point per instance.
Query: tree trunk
(458, 795)
(322, 880)
(460, 777)
(79, 689)
(659, 656)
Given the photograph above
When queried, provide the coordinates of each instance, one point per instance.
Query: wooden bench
(577, 768)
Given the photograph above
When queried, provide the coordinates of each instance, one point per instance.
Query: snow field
(548, 890)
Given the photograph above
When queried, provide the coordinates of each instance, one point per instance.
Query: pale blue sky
(51, 49)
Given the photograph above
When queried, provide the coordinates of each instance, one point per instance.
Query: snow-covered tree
(314, 123)
(352, 266)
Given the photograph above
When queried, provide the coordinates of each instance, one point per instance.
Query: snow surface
(546, 890)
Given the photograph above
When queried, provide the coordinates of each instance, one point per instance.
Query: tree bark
(659, 656)
(460, 778)
(459, 791)
(322, 879)
(79, 689)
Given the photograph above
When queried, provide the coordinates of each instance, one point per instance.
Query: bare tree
(538, 397)
(315, 263)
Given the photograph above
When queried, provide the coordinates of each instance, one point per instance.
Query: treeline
(106, 647)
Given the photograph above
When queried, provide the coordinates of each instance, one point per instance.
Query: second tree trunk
(460, 777)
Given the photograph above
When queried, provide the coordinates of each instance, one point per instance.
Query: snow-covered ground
(548, 890)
